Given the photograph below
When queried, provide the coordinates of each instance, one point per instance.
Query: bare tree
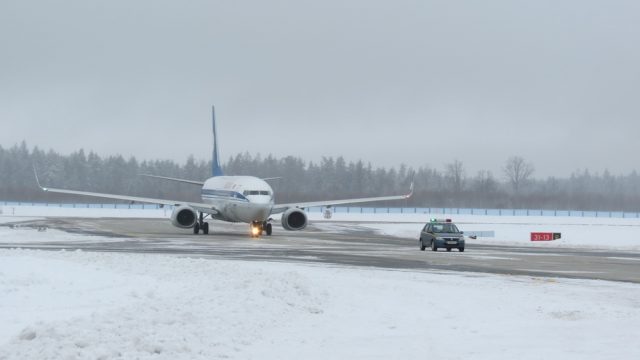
(484, 182)
(455, 175)
(518, 172)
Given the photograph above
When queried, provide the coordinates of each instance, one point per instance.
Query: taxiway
(332, 243)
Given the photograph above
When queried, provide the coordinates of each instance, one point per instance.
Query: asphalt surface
(349, 245)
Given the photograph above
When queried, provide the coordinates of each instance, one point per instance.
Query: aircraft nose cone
(260, 212)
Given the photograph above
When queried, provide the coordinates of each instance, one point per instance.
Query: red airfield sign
(545, 236)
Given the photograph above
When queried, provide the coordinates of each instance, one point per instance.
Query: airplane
(244, 199)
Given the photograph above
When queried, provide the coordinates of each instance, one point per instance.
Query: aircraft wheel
(205, 228)
(196, 228)
(269, 229)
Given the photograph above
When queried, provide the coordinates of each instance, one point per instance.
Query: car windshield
(444, 228)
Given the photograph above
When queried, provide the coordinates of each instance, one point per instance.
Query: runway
(332, 244)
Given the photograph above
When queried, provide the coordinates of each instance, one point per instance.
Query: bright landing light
(255, 230)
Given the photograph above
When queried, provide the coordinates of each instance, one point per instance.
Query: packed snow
(79, 305)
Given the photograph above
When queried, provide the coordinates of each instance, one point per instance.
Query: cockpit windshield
(256, 192)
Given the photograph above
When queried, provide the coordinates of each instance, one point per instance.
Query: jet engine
(184, 217)
(294, 219)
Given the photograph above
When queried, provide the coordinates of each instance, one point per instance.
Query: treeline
(330, 178)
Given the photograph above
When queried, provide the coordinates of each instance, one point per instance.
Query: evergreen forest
(515, 187)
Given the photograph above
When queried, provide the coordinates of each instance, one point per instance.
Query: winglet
(410, 194)
(38, 180)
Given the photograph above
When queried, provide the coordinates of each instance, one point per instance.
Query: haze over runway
(388, 82)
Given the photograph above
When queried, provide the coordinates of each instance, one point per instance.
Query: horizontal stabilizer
(174, 179)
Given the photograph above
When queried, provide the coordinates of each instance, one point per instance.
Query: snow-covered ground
(78, 305)
(578, 232)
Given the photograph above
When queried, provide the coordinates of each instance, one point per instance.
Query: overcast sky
(416, 82)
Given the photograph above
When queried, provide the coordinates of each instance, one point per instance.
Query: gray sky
(416, 82)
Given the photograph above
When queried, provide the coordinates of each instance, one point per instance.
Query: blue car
(441, 234)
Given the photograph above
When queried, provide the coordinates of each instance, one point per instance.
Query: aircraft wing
(193, 182)
(205, 208)
(284, 207)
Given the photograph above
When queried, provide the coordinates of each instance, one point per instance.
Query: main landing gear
(257, 228)
(201, 225)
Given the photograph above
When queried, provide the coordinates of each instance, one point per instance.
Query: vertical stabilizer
(216, 169)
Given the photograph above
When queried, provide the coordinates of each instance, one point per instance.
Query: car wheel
(448, 249)
(434, 247)
(422, 247)
(461, 249)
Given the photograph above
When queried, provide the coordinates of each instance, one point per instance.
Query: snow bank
(83, 305)
(103, 306)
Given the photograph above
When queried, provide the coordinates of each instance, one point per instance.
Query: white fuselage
(239, 198)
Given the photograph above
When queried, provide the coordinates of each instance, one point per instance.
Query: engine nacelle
(184, 217)
(294, 219)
